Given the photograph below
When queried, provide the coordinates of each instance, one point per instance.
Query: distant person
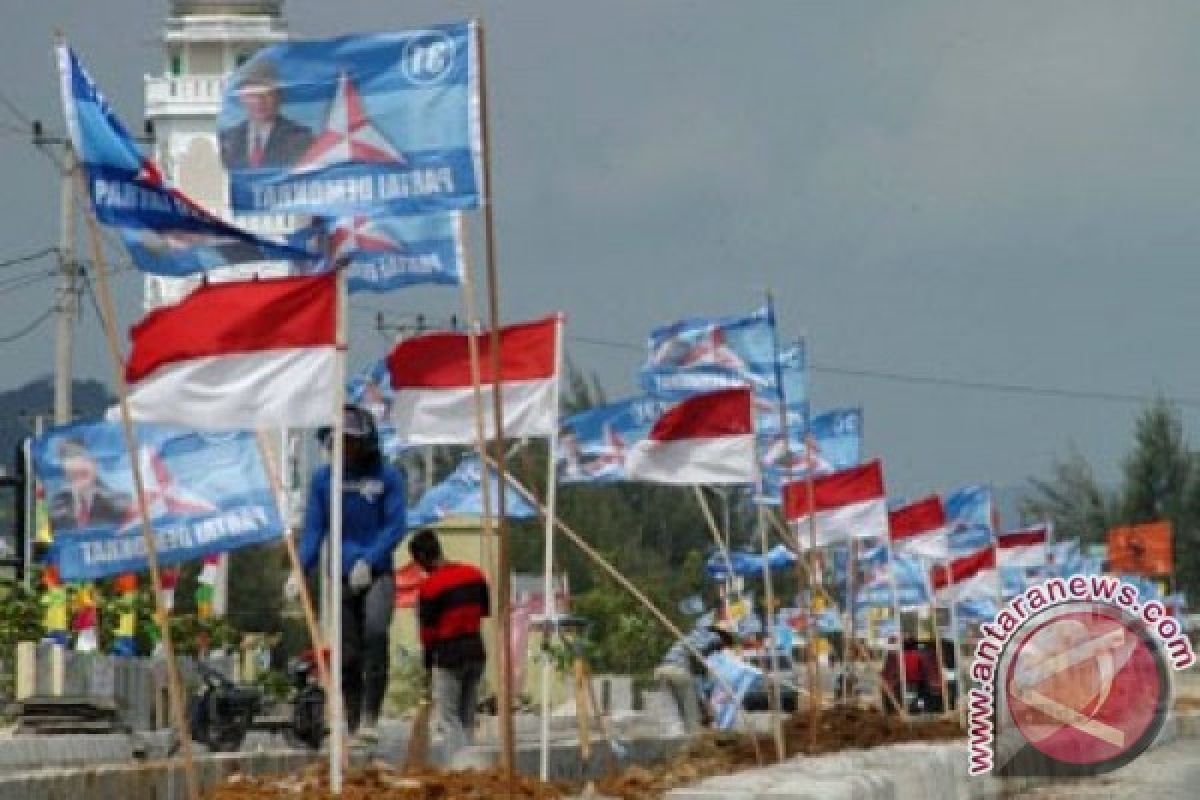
(922, 679)
(265, 138)
(374, 520)
(86, 501)
(682, 670)
(451, 603)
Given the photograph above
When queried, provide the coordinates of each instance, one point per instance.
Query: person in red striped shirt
(451, 602)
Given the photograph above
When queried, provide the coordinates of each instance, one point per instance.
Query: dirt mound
(838, 729)
(380, 782)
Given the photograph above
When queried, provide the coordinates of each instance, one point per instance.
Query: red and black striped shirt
(451, 601)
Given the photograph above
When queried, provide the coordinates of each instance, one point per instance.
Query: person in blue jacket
(373, 524)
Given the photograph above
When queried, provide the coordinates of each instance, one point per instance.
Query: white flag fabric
(435, 400)
(849, 504)
(970, 577)
(920, 528)
(238, 355)
(1025, 548)
(705, 439)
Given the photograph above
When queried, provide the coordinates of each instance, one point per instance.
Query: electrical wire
(25, 282)
(948, 382)
(28, 329)
(12, 262)
(16, 112)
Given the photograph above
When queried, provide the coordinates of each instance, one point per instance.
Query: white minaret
(205, 40)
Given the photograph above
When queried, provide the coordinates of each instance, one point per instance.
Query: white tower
(205, 40)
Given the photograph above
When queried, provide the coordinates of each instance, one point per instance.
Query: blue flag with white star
(385, 253)
(206, 493)
(165, 231)
(384, 123)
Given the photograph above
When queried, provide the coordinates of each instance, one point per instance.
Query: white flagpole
(902, 695)
(773, 651)
(957, 644)
(549, 606)
(937, 641)
(336, 471)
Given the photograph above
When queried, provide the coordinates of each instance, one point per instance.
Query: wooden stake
(638, 595)
(716, 534)
(162, 613)
(503, 590)
(813, 577)
(310, 616)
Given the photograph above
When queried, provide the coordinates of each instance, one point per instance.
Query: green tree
(1160, 480)
(1073, 500)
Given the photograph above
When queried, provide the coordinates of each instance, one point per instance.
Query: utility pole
(67, 308)
(67, 305)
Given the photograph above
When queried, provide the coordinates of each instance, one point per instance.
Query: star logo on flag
(149, 174)
(611, 455)
(709, 350)
(163, 495)
(361, 234)
(349, 135)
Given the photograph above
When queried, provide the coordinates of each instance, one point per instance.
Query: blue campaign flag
(969, 518)
(461, 494)
(372, 389)
(833, 441)
(382, 254)
(206, 493)
(793, 377)
(592, 444)
(165, 231)
(876, 589)
(732, 679)
(383, 123)
(708, 353)
(748, 564)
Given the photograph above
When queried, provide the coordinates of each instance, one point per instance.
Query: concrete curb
(913, 771)
(155, 780)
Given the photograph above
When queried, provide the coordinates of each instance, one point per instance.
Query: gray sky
(998, 192)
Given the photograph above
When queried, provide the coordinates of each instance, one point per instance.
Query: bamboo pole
(162, 613)
(487, 527)
(628, 586)
(549, 606)
(716, 534)
(813, 576)
(289, 542)
(503, 590)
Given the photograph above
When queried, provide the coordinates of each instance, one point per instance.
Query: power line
(28, 329)
(25, 281)
(11, 262)
(14, 110)
(954, 383)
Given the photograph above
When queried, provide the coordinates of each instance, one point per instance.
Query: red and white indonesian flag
(247, 354)
(966, 578)
(435, 399)
(705, 439)
(850, 504)
(1023, 548)
(919, 528)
